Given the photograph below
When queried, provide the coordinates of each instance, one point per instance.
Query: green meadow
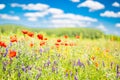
(58, 54)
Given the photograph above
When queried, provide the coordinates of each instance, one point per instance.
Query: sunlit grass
(72, 59)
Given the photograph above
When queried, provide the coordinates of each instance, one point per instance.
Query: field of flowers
(36, 56)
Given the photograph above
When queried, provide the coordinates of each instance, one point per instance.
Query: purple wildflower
(80, 63)
(5, 52)
(117, 71)
(55, 62)
(53, 69)
(24, 69)
(48, 63)
(75, 77)
(66, 74)
(41, 51)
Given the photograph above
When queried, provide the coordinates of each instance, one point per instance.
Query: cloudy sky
(101, 14)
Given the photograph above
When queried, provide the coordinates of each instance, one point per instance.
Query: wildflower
(6, 52)
(66, 44)
(45, 39)
(12, 53)
(117, 71)
(30, 34)
(59, 40)
(13, 39)
(48, 62)
(24, 31)
(57, 44)
(75, 77)
(2, 44)
(66, 74)
(96, 64)
(55, 63)
(53, 69)
(42, 43)
(77, 37)
(65, 36)
(24, 68)
(93, 58)
(41, 50)
(31, 44)
(40, 36)
(79, 63)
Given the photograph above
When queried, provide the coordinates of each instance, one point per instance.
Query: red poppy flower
(65, 36)
(31, 44)
(42, 43)
(45, 39)
(2, 44)
(77, 37)
(24, 31)
(57, 45)
(30, 34)
(59, 40)
(13, 39)
(12, 53)
(66, 44)
(40, 36)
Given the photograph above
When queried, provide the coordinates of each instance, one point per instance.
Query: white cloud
(9, 17)
(102, 27)
(55, 11)
(117, 24)
(2, 6)
(68, 23)
(31, 6)
(116, 4)
(92, 5)
(71, 20)
(33, 16)
(36, 14)
(75, 0)
(110, 14)
(75, 17)
(61, 19)
(32, 19)
(56, 17)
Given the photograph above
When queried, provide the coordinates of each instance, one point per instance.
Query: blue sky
(101, 14)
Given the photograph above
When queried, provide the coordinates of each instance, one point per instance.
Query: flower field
(36, 56)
